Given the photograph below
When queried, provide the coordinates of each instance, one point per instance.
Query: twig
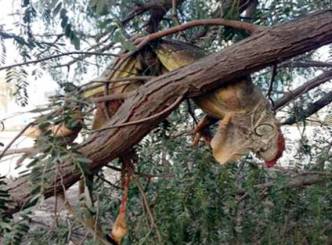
(145, 175)
(108, 182)
(174, 11)
(20, 151)
(54, 57)
(106, 102)
(86, 55)
(147, 207)
(251, 28)
(176, 18)
(269, 91)
(142, 41)
(13, 141)
(120, 79)
(53, 44)
(305, 64)
(90, 227)
(138, 10)
(20, 113)
(119, 96)
(191, 112)
(294, 182)
(104, 239)
(163, 112)
(311, 109)
(116, 80)
(313, 83)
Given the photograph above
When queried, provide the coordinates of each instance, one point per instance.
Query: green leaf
(25, 3)
(76, 42)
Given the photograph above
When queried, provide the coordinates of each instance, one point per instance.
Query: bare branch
(298, 181)
(27, 150)
(305, 64)
(289, 96)
(55, 57)
(147, 207)
(89, 53)
(157, 8)
(251, 28)
(13, 141)
(145, 175)
(120, 96)
(273, 75)
(311, 109)
(152, 117)
(117, 80)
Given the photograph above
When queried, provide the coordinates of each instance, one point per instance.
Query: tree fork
(270, 46)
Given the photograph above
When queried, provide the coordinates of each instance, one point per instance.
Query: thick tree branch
(252, 54)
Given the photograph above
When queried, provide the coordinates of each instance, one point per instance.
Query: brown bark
(299, 181)
(268, 47)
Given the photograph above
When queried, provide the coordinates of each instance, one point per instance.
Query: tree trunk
(270, 46)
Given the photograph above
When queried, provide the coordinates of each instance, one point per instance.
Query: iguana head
(268, 140)
(270, 146)
(257, 131)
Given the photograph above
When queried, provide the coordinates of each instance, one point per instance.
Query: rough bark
(273, 45)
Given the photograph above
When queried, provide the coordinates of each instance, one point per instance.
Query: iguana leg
(220, 136)
(225, 121)
(119, 228)
(201, 129)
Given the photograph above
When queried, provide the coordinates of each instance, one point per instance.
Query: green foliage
(19, 78)
(66, 26)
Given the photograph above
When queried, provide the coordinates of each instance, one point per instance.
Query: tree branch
(260, 50)
(299, 181)
(251, 28)
(157, 8)
(2, 154)
(88, 53)
(313, 83)
(311, 109)
(305, 64)
(54, 57)
(146, 119)
(27, 150)
(148, 209)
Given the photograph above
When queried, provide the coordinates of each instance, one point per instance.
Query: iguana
(246, 121)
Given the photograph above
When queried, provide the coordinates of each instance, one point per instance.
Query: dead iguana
(247, 122)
